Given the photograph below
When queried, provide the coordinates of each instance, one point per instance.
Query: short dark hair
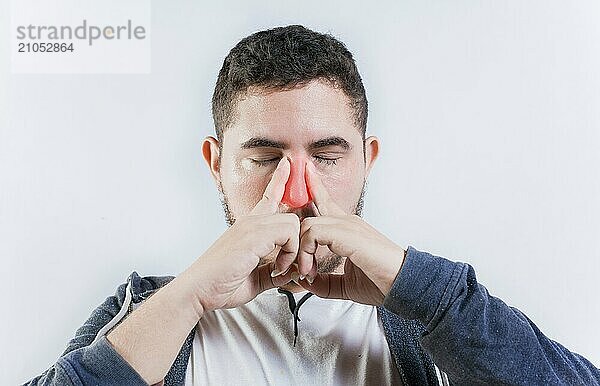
(283, 58)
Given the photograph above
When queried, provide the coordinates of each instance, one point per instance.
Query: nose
(296, 193)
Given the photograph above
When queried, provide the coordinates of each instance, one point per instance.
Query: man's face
(313, 123)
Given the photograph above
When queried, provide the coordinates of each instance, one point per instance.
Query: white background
(488, 113)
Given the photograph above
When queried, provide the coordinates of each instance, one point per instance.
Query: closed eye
(323, 160)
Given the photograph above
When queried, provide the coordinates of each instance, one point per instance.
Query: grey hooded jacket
(436, 312)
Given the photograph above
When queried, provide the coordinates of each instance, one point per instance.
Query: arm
(474, 337)
(152, 335)
(84, 362)
(135, 351)
(144, 346)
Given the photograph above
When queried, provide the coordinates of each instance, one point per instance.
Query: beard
(329, 261)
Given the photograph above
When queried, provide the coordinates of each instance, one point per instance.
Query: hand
(227, 274)
(372, 260)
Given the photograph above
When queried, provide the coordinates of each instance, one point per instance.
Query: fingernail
(302, 277)
(277, 272)
(310, 279)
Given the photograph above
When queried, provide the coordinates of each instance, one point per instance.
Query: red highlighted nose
(296, 193)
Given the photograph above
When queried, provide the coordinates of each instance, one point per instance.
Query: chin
(327, 261)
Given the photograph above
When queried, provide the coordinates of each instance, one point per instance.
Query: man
(291, 161)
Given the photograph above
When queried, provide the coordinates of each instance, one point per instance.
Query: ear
(371, 153)
(210, 152)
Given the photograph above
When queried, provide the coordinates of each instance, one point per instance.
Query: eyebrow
(266, 142)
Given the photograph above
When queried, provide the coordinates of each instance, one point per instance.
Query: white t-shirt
(339, 343)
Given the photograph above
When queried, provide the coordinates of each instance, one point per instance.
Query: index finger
(273, 194)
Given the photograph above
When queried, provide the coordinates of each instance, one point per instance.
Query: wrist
(187, 289)
(394, 266)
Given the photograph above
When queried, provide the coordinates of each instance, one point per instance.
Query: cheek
(344, 186)
(243, 187)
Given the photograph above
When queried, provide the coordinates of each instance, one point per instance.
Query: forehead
(299, 115)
